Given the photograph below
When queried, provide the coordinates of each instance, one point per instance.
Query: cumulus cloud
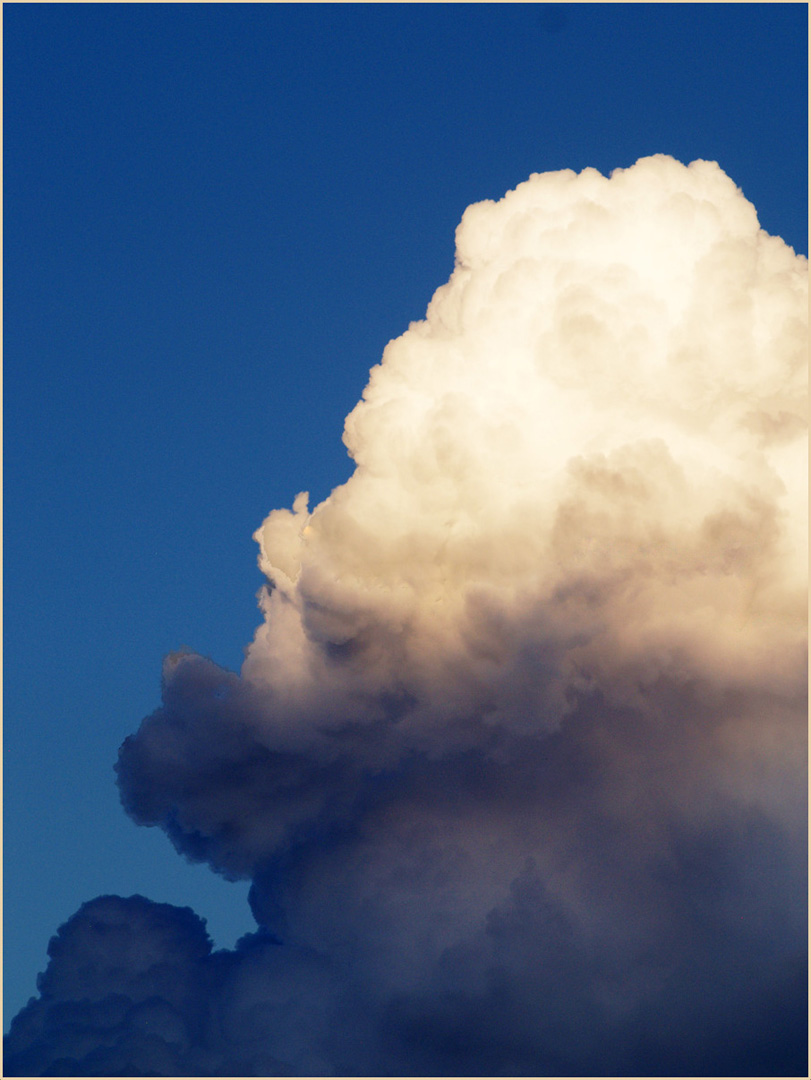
(516, 759)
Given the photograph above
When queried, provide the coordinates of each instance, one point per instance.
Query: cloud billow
(516, 760)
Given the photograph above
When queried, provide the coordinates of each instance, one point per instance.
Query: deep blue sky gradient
(216, 216)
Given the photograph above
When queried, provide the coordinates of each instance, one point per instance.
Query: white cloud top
(585, 467)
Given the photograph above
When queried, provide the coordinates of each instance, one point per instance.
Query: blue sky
(216, 216)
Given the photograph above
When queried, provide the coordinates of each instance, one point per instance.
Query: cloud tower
(516, 762)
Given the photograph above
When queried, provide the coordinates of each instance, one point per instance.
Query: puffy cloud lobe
(121, 994)
(516, 758)
(134, 989)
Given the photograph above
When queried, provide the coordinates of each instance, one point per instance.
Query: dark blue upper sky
(216, 216)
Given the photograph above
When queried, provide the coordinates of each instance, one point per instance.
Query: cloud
(516, 760)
